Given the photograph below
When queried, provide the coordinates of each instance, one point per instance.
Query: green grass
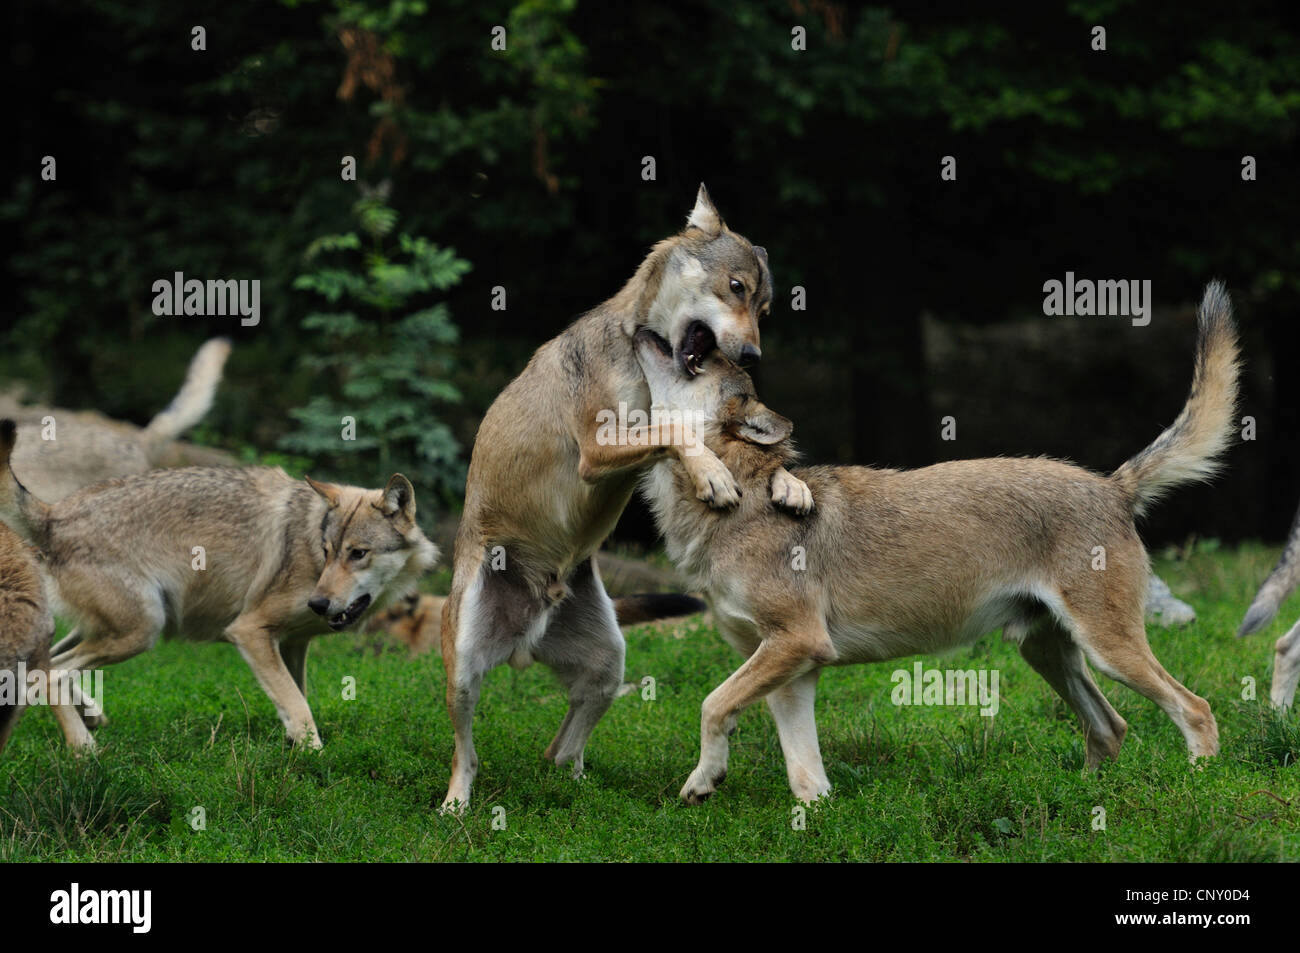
(190, 727)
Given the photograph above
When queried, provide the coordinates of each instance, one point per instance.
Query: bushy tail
(194, 398)
(26, 515)
(1279, 584)
(1188, 449)
(633, 610)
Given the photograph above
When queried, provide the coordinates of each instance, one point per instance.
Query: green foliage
(386, 362)
(1119, 162)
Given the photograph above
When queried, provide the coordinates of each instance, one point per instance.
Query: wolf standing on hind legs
(546, 485)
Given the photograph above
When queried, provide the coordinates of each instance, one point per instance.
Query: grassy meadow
(190, 728)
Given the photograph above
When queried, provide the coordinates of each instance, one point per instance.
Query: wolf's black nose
(318, 604)
(749, 354)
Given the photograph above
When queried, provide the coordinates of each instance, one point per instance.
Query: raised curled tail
(633, 610)
(1188, 450)
(25, 514)
(194, 398)
(1281, 582)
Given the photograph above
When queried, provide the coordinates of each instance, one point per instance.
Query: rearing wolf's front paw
(715, 485)
(791, 493)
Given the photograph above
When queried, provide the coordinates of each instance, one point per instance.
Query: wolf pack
(801, 567)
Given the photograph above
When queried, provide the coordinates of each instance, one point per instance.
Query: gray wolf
(896, 563)
(1281, 582)
(81, 448)
(545, 488)
(1164, 608)
(248, 556)
(26, 627)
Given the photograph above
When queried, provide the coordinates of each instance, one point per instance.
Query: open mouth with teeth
(350, 614)
(697, 343)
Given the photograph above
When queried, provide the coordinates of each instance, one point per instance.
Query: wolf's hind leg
(1057, 657)
(91, 719)
(1116, 644)
(482, 627)
(585, 648)
(69, 641)
(126, 623)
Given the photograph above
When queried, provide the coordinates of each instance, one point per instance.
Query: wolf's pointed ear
(329, 492)
(705, 215)
(763, 426)
(399, 497)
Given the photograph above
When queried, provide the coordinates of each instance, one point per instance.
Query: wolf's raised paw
(716, 486)
(791, 493)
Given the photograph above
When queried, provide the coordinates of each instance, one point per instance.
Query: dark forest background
(522, 169)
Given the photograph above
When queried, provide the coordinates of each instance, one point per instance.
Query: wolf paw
(453, 805)
(813, 793)
(309, 741)
(716, 486)
(791, 493)
(699, 786)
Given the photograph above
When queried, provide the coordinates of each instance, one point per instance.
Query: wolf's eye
(737, 287)
(356, 555)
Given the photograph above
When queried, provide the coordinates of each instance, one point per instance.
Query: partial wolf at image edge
(1279, 584)
(26, 623)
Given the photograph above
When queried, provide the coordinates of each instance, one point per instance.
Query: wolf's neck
(685, 523)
